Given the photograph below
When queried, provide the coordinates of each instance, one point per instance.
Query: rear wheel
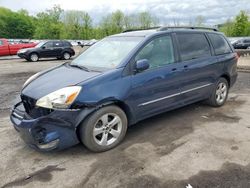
(219, 94)
(104, 129)
(66, 56)
(33, 57)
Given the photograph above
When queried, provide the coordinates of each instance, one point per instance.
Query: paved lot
(196, 145)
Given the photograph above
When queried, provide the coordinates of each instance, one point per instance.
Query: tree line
(57, 23)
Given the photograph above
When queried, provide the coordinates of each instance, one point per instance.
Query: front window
(159, 52)
(40, 44)
(108, 53)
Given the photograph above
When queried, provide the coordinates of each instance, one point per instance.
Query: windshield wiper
(80, 67)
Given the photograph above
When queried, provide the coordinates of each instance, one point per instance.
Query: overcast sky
(183, 11)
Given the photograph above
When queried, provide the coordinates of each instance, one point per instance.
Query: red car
(7, 48)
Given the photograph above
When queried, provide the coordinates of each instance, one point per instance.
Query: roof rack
(164, 28)
(140, 29)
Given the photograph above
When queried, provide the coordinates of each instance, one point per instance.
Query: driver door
(157, 88)
(47, 50)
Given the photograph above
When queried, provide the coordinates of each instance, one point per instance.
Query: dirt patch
(231, 175)
(234, 148)
(43, 175)
(218, 116)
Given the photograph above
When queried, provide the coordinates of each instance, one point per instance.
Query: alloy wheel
(107, 129)
(66, 56)
(221, 93)
(34, 57)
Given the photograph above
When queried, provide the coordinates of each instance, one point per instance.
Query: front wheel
(33, 57)
(219, 94)
(104, 129)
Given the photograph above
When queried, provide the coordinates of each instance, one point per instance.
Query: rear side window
(1, 43)
(193, 46)
(67, 44)
(220, 44)
(247, 41)
(57, 44)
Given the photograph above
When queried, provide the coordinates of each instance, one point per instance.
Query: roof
(150, 31)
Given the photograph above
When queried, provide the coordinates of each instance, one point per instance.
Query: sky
(167, 11)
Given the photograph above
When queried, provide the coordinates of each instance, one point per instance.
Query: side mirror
(141, 65)
(43, 47)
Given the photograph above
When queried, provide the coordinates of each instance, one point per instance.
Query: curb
(243, 69)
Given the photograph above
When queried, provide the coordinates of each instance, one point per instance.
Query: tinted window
(220, 44)
(193, 45)
(159, 52)
(247, 41)
(48, 45)
(67, 44)
(57, 44)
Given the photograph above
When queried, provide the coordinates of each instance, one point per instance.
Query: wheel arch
(123, 106)
(227, 77)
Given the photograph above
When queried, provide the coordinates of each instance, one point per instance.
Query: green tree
(227, 28)
(77, 25)
(146, 20)
(241, 25)
(48, 24)
(15, 24)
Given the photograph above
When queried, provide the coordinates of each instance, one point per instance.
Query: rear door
(199, 66)
(58, 48)
(157, 88)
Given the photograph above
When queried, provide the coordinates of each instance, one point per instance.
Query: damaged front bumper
(54, 131)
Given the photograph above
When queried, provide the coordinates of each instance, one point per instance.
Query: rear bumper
(55, 131)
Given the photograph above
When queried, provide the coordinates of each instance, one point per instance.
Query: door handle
(174, 69)
(185, 66)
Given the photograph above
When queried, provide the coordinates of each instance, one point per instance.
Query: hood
(27, 48)
(56, 78)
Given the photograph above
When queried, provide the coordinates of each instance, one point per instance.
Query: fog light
(50, 145)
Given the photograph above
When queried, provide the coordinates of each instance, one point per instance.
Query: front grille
(31, 109)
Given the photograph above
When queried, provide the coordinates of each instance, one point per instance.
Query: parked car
(7, 48)
(120, 81)
(242, 43)
(48, 49)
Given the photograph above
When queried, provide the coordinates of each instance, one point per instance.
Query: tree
(48, 24)
(77, 25)
(146, 20)
(241, 25)
(227, 27)
(15, 24)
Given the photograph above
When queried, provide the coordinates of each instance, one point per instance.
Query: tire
(66, 55)
(98, 137)
(219, 94)
(33, 57)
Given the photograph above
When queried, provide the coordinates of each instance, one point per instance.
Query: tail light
(237, 56)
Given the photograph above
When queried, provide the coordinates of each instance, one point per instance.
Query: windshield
(40, 44)
(108, 53)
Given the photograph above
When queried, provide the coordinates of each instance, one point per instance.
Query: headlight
(60, 99)
(22, 51)
(30, 79)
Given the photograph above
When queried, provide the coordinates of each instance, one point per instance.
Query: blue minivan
(121, 80)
